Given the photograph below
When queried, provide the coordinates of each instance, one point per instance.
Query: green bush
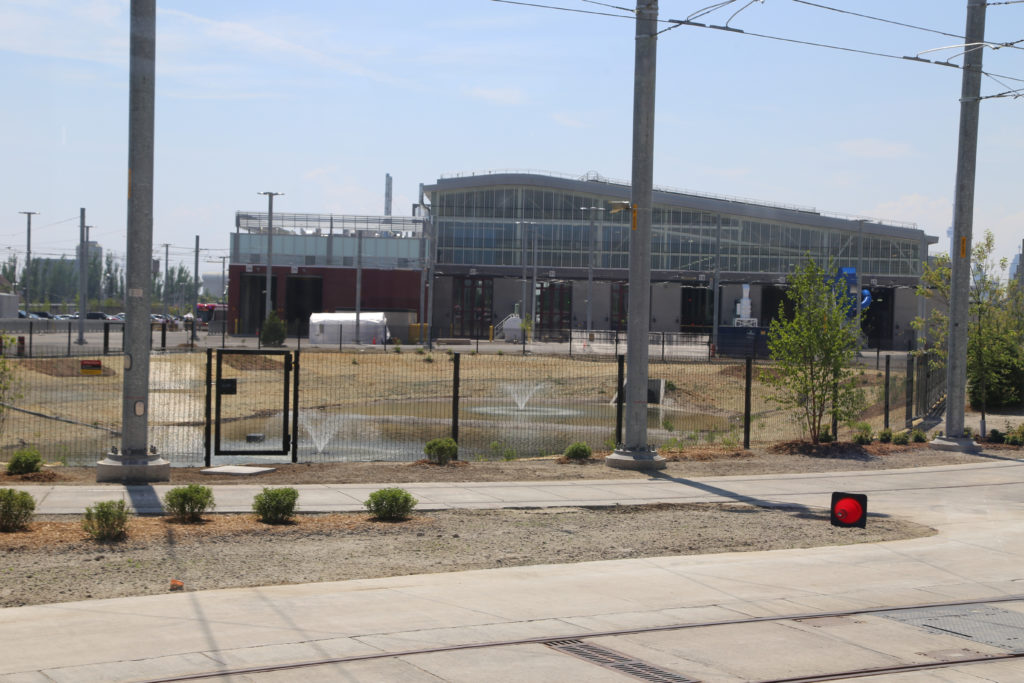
(107, 520)
(885, 436)
(901, 438)
(577, 452)
(918, 436)
(16, 508)
(441, 451)
(1014, 439)
(825, 437)
(188, 503)
(864, 434)
(24, 461)
(273, 332)
(995, 436)
(390, 505)
(275, 506)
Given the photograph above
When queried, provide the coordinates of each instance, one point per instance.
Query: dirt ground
(54, 560)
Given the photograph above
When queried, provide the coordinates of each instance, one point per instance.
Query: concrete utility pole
(136, 461)
(267, 303)
(83, 265)
(28, 258)
(167, 287)
(635, 453)
(195, 292)
(359, 281)
(963, 220)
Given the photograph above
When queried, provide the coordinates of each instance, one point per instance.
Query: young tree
(995, 326)
(813, 349)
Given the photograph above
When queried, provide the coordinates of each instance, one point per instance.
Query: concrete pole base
(623, 459)
(949, 443)
(115, 468)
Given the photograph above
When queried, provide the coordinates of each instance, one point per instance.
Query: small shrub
(670, 385)
(397, 344)
(441, 451)
(995, 436)
(1014, 439)
(968, 432)
(864, 434)
(901, 438)
(107, 520)
(825, 437)
(918, 436)
(420, 351)
(885, 436)
(275, 506)
(500, 352)
(188, 503)
(25, 461)
(16, 508)
(577, 452)
(428, 359)
(274, 331)
(390, 505)
(667, 425)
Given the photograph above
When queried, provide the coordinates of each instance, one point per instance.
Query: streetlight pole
(636, 453)
(270, 250)
(590, 267)
(28, 259)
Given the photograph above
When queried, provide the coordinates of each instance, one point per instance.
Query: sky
(319, 99)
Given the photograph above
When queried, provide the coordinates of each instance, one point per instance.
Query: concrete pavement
(977, 554)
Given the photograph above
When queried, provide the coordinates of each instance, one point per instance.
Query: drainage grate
(618, 662)
(986, 624)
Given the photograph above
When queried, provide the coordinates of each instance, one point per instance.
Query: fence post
(206, 421)
(570, 342)
(878, 356)
(295, 409)
(620, 386)
(163, 336)
(748, 380)
(29, 333)
(887, 365)
(662, 347)
(911, 362)
(106, 337)
(69, 338)
(341, 336)
(616, 341)
(455, 398)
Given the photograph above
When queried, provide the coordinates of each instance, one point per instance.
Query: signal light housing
(849, 509)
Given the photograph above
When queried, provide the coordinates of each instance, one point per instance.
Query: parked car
(42, 314)
(96, 315)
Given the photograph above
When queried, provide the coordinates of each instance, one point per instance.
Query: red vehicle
(207, 313)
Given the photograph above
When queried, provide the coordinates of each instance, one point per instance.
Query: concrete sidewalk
(978, 553)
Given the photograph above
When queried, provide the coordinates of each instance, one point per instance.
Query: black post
(478, 344)
(341, 335)
(748, 380)
(616, 341)
(224, 332)
(570, 342)
(619, 389)
(887, 365)
(295, 409)
(455, 397)
(192, 336)
(209, 391)
(106, 338)
(259, 337)
(524, 340)
(662, 347)
(163, 335)
(910, 391)
(69, 338)
(29, 333)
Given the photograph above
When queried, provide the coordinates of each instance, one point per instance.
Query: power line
(840, 48)
(886, 21)
(565, 9)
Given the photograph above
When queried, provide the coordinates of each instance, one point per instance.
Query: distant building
(551, 248)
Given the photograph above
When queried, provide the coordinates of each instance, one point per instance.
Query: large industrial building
(486, 245)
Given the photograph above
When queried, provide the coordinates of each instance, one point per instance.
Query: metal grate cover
(985, 624)
(618, 662)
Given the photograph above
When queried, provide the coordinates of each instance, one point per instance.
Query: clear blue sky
(320, 98)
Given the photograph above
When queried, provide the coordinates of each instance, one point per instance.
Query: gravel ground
(54, 561)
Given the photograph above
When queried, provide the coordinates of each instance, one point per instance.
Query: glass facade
(507, 225)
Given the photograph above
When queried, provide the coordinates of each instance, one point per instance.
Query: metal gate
(250, 386)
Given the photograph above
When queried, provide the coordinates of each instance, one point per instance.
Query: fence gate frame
(217, 386)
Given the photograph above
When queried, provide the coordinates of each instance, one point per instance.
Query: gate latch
(227, 386)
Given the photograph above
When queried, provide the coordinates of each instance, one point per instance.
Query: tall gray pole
(167, 288)
(267, 302)
(533, 289)
(716, 285)
(963, 220)
(635, 453)
(28, 259)
(83, 265)
(590, 275)
(522, 296)
(136, 461)
(195, 291)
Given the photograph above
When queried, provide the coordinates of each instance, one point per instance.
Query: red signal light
(849, 509)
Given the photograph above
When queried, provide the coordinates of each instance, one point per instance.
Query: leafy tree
(813, 349)
(995, 326)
